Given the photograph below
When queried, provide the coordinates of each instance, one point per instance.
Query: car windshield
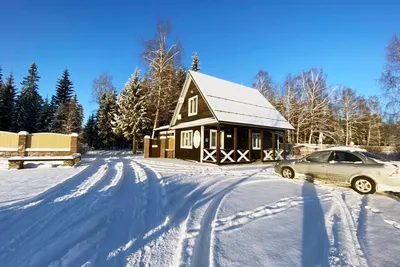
(373, 156)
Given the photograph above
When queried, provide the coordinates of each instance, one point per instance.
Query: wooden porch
(242, 144)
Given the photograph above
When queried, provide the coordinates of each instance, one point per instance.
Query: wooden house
(221, 122)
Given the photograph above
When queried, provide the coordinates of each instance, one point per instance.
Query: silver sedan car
(364, 171)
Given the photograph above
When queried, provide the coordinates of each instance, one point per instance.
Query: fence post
(22, 140)
(163, 144)
(146, 146)
(74, 143)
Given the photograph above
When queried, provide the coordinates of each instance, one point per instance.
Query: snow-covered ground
(115, 209)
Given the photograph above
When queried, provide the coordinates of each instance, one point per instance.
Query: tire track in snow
(15, 219)
(86, 186)
(65, 186)
(203, 247)
(190, 229)
(56, 218)
(242, 218)
(151, 216)
(118, 228)
(354, 246)
(185, 211)
(87, 226)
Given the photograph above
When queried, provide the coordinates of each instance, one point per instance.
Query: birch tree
(291, 99)
(390, 79)
(313, 84)
(349, 104)
(162, 60)
(263, 83)
(101, 85)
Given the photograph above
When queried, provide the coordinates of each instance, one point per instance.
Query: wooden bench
(18, 162)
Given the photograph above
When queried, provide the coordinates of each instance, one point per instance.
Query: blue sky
(234, 39)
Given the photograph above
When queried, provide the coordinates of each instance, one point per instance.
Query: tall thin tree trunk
(156, 118)
(297, 133)
(134, 145)
(347, 132)
(310, 137)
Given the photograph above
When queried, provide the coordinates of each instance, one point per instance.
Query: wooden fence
(8, 141)
(37, 144)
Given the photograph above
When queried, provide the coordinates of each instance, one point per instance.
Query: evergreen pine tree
(131, 116)
(1, 78)
(7, 102)
(61, 103)
(46, 117)
(2, 100)
(64, 89)
(195, 62)
(105, 116)
(28, 102)
(75, 116)
(59, 122)
(53, 105)
(90, 132)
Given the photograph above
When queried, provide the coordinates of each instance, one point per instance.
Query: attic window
(193, 101)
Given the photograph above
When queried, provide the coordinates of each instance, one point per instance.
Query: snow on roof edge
(205, 82)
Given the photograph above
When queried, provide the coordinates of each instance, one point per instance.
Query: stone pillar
(74, 143)
(163, 146)
(146, 146)
(22, 142)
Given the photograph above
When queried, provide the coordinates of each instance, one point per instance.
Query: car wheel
(363, 185)
(287, 173)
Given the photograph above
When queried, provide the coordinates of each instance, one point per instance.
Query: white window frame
(185, 134)
(257, 138)
(222, 138)
(191, 101)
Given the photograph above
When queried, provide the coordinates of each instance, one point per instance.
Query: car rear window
(373, 156)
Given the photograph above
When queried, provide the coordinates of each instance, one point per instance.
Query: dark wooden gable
(203, 111)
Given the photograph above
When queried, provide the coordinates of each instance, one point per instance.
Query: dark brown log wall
(185, 153)
(202, 109)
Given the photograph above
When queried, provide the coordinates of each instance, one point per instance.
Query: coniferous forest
(317, 109)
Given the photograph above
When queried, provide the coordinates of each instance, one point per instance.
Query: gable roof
(234, 103)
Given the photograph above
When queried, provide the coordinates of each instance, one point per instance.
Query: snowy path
(120, 210)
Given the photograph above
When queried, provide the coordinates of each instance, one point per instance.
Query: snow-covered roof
(165, 127)
(235, 103)
(199, 122)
